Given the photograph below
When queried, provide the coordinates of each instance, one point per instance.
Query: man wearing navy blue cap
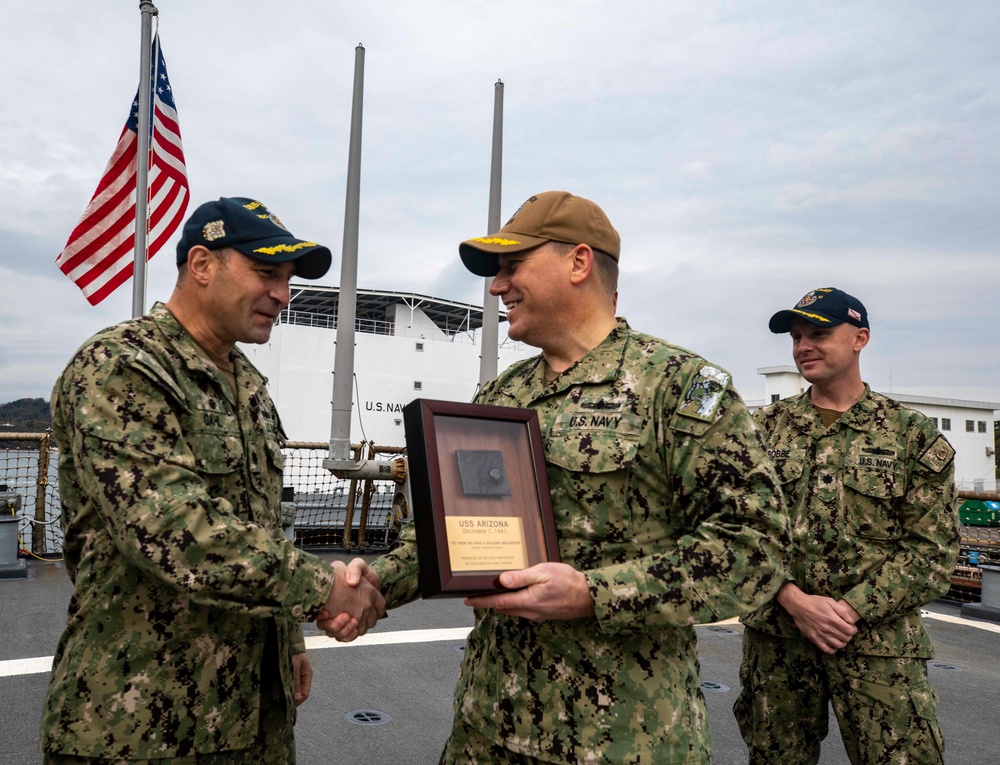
(870, 488)
(183, 642)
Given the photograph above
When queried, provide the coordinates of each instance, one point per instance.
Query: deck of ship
(386, 699)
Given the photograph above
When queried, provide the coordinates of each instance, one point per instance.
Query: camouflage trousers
(885, 706)
(468, 746)
(274, 745)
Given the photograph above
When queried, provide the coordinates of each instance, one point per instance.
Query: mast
(489, 357)
(339, 459)
(343, 364)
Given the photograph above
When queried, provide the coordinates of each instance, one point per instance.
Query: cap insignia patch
(529, 199)
(807, 300)
(213, 230)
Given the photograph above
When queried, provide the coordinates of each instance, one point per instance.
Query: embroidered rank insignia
(213, 230)
(704, 393)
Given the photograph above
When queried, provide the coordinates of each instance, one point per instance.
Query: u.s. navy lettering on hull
(383, 406)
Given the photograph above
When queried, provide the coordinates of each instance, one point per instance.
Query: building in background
(407, 346)
(411, 346)
(968, 425)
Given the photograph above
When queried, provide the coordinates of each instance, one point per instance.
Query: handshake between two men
(355, 602)
(543, 592)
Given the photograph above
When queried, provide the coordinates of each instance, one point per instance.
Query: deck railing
(330, 512)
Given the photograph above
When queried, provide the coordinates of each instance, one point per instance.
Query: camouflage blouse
(664, 498)
(170, 488)
(872, 506)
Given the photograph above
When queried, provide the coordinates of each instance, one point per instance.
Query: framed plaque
(481, 501)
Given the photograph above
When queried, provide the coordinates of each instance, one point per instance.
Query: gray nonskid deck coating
(412, 682)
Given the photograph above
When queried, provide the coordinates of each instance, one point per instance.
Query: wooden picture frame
(481, 502)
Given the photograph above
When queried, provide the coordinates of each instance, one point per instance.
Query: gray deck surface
(412, 682)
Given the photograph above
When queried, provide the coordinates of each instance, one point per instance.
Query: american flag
(99, 253)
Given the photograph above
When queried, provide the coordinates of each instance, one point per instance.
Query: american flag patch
(854, 314)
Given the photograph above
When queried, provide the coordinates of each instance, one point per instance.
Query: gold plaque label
(477, 543)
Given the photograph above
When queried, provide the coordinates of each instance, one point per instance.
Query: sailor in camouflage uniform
(667, 511)
(183, 642)
(870, 488)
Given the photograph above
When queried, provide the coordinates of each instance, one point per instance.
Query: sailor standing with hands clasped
(870, 488)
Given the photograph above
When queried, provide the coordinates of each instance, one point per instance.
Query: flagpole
(148, 10)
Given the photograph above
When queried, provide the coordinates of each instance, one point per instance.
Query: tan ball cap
(552, 216)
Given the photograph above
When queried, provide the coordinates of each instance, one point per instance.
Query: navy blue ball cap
(824, 307)
(249, 227)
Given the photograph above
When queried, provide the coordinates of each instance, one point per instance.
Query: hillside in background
(26, 415)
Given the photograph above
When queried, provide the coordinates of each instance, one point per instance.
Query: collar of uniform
(858, 417)
(181, 339)
(600, 364)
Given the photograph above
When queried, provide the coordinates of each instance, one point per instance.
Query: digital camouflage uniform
(170, 508)
(872, 508)
(663, 497)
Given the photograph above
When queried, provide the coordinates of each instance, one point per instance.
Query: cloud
(746, 154)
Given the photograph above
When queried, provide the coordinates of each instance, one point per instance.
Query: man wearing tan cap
(668, 515)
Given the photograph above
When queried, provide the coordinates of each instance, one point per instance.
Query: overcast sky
(747, 152)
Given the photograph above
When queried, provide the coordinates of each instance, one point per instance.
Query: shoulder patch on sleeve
(939, 455)
(703, 395)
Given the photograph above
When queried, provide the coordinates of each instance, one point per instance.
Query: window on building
(970, 426)
(774, 397)
(417, 385)
(945, 423)
(420, 346)
(934, 420)
(982, 426)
